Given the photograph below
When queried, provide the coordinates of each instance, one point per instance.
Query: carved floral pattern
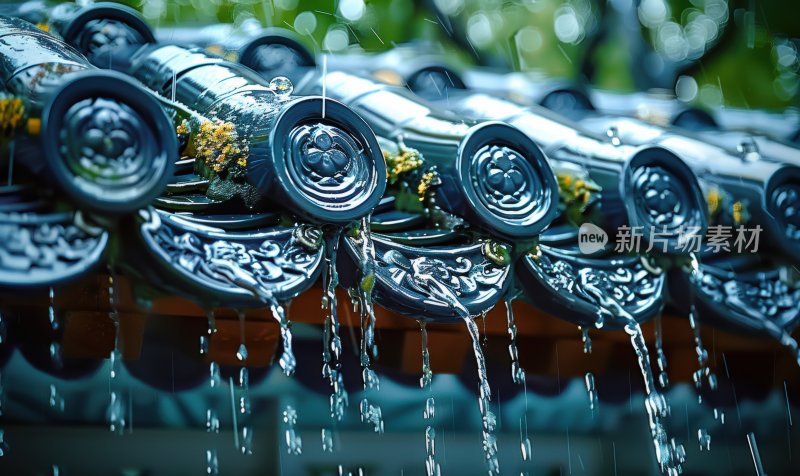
(787, 205)
(505, 178)
(622, 288)
(98, 34)
(765, 298)
(454, 282)
(266, 266)
(655, 190)
(325, 152)
(102, 139)
(42, 249)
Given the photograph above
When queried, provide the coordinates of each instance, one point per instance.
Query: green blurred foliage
(547, 37)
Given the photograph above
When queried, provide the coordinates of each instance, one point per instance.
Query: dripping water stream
(703, 372)
(661, 358)
(371, 414)
(115, 412)
(56, 400)
(489, 421)
(332, 342)
(3, 444)
(294, 444)
(586, 339)
(432, 468)
(212, 415)
(244, 404)
(518, 375)
(669, 454)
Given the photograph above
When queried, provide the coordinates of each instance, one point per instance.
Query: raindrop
(294, 444)
(212, 461)
(517, 372)
(281, 86)
(212, 421)
(3, 443)
(115, 414)
(214, 375)
(590, 388)
(55, 355)
(327, 440)
(372, 414)
(704, 438)
(430, 408)
(56, 400)
(247, 440)
(51, 312)
(587, 341)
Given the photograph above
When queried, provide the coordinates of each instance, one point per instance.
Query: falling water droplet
(719, 415)
(214, 375)
(600, 319)
(2, 393)
(114, 316)
(524, 440)
(427, 375)
(203, 345)
(661, 358)
(241, 354)
(372, 414)
(212, 421)
(587, 341)
(703, 372)
(431, 466)
(2, 329)
(115, 414)
(332, 343)
(281, 86)
(370, 379)
(3, 443)
(244, 403)
(327, 440)
(430, 409)
(55, 355)
(704, 438)
(590, 388)
(294, 444)
(517, 372)
(114, 363)
(287, 360)
(247, 440)
(212, 461)
(56, 400)
(51, 312)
